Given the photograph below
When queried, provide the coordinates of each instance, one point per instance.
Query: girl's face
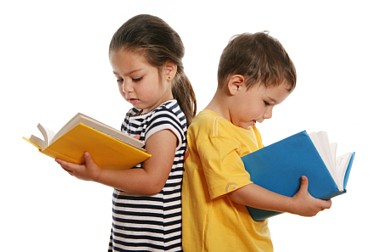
(140, 83)
(256, 104)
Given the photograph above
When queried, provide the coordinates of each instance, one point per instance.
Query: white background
(54, 63)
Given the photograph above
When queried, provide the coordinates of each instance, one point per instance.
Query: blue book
(278, 167)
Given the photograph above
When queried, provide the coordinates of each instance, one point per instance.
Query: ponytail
(183, 92)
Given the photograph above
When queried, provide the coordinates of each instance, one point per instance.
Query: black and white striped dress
(152, 223)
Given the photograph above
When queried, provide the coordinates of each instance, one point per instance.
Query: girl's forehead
(127, 53)
(127, 58)
(126, 62)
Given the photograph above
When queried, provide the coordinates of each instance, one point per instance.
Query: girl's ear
(169, 69)
(235, 84)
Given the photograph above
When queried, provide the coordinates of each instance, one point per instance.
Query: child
(146, 57)
(255, 74)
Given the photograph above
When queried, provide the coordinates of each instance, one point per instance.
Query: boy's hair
(159, 43)
(260, 58)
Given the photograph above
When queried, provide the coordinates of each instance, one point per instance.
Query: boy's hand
(307, 205)
(87, 171)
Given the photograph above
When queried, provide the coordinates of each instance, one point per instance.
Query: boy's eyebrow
(272, 100)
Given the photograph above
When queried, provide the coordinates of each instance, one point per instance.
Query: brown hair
(159, 43)
(258, 57)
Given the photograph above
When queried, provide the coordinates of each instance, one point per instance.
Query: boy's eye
(119, 81)
(266, 103)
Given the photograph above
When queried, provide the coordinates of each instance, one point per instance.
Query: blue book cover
(278, 167)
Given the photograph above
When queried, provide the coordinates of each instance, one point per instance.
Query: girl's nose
(127, 87)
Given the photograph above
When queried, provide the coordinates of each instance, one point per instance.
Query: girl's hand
(305, 204)
(87, 171)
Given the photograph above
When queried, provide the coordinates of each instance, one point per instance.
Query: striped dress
(152, 223)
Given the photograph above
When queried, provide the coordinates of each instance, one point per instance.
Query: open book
(278, 167)
(110, 148)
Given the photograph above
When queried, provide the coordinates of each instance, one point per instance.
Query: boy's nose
(268, 114)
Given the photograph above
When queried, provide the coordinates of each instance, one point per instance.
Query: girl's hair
(258, 57)
(159, 43)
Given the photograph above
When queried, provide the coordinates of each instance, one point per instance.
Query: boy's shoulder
(206, 116)
(208, 120)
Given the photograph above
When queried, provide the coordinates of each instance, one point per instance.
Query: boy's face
(256, 104)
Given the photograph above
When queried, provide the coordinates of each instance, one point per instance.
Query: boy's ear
(169, 69)
(235, 83)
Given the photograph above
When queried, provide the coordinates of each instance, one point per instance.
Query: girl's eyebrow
(128, 73)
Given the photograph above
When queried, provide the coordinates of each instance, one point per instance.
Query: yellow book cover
(110, 148)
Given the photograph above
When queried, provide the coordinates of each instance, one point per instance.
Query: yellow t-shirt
(211, 222)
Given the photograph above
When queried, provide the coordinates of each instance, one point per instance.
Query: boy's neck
(219, 104)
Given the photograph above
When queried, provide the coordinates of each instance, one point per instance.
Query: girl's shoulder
(170, 108)
(170, 105)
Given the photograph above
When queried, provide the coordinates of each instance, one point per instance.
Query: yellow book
(110, 148)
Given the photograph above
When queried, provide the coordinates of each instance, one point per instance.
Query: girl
(145, 54)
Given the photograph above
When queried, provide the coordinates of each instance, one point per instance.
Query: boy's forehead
(277, 94)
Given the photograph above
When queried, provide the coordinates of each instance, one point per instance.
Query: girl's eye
(119, 81)
(137, 79)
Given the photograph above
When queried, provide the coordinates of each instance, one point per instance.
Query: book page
(337, 165)
(47, 134)
(322, 144)
(111, 131)
(93, 123)
(342, 164)
(334, 171)
(68, 126)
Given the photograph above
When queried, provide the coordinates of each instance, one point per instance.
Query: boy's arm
(302, 203)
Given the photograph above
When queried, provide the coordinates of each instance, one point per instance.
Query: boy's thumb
(304, 183)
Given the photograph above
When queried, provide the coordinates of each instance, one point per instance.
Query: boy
(255, 73)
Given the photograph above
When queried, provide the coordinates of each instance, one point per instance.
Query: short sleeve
(222, 165)
(166, 119)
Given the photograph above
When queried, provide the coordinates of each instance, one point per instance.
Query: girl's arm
(302, 203)
(146, 181)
